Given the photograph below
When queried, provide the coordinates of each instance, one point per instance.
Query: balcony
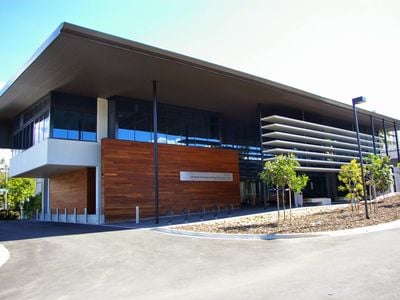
(55, 156)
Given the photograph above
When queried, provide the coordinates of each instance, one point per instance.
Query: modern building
(85, 112)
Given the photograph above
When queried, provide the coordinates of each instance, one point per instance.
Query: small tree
(350, 176)
(19, 189)
(379, 176)
(384, 176)
(297, 183)
(281, 173)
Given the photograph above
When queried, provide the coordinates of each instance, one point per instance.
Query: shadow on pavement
(21, 230)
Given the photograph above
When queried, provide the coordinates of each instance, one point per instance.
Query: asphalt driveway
(67, 261)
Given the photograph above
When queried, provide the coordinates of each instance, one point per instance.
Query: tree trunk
(284, 205)
(277, 200)
(290, 204)
(370, 198)
(375, 203)
(352, 204)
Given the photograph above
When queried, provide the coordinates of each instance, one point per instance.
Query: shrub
(6, 214)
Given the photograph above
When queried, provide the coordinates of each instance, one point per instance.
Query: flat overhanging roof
(90, 63)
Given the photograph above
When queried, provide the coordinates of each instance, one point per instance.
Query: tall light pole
(356, 101)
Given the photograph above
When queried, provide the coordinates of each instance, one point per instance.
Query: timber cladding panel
(128, 178)
(73, 189)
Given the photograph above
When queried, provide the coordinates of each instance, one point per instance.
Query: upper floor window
(176, 125)
(33, 125)
(73, 117)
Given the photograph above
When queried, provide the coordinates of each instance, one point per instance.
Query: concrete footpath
(4, 255)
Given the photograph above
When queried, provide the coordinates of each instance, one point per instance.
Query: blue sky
(338, 49)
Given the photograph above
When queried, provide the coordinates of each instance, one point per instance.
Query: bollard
(57, 215)
(186, 214)
(137, 215)
(171, 217)
(202, 212)
(75, 216)
(66, 215)
(85, 214)
(37, 215)
(216, 212)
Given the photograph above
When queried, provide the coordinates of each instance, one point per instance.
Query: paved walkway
(68, 261)
(178, 219)
(4, 255)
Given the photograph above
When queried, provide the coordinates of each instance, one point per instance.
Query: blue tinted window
(74, 117)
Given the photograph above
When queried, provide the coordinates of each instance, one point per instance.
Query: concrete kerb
(173, 229)
(4, 255)
(224, 236)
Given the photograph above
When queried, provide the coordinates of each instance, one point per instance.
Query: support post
(102, 132)
(137, 215)
(98, 195)
(155, 143)
(360, 156)
(262, 190)
(397, 142)
(48, 200)
(385, 137)
(373, 133)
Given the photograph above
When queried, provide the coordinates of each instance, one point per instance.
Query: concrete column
(45, 196)
(102, 118)
(99, 208)
(47, 192)
(102, 130)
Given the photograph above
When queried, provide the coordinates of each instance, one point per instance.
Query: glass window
(213, 129)
(74, 117)
(176, 125)
(60, 124)
(173, 131)
(73, 125)
(31, 126)
(88, 127)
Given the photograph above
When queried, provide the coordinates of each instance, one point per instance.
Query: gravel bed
(329, 218)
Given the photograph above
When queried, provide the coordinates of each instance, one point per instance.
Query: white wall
(53, 152)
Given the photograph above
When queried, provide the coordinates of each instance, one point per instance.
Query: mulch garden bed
(314, 219)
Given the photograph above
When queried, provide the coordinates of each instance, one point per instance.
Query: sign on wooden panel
(205, 176)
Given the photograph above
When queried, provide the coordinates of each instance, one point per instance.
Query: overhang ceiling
(89, 63)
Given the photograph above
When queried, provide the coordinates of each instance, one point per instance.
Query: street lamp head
(359, 100)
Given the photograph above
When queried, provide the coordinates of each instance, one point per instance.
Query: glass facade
(32, 126)
(73, 117)
(176, 125)
(56, 115)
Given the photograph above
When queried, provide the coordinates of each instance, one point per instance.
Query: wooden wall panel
(73, 190)
(128, 181)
